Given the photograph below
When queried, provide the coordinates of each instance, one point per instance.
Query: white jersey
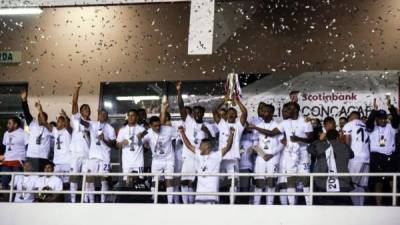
(98, 149)
(132, 154)
(161, 143)
(194, 134)
(24, 183)
(207, 164)
(224, 131)
(248, 140)
(359, 140)
(62, 142)
(53, 182)
(15, 143)
(39, 141)
(298, 127)
(80, 137)
(382, 139)
(269, 145)
(178, 141)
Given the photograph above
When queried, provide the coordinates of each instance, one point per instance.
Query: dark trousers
(5, 179)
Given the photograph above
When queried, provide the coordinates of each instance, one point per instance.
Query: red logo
(294, 96)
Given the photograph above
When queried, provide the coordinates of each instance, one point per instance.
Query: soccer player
(80, 140)
(298, 134)
(196, 130)
(25, 183)
(159, 139)
(357, 138)
(207, 162)
(102, 141)
(269, 150)
(39, 135)
(382, 143)
(230, 161)
(129, 139)
(49, 183)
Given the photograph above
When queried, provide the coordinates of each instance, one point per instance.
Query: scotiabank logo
(328, 97)
(294, 96)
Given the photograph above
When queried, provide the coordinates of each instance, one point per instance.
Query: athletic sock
(270, 198)
(73, 187)
(307, 197)
(170, 197)
(185, 198)
(104, 187)
(283, 198)
(176, 197)
(291, 198)
(90, 197)
(358, 200)
(191, 197)
(257, 198)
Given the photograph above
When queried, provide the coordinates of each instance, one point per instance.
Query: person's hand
(322, 136)
(181, 129)
(78, 84)
(375, 105)
(251, 126)
(284, 141)
(232, 130)
(164, 105)
(125, 142)
(63, 113)
(267, 157)
(179, 86)
(294, 138)
(1, 157)
(38, 106)
(24, 95)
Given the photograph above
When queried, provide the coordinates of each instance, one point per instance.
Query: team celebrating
(232, 143)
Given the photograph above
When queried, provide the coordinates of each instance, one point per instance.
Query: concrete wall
(149, 42)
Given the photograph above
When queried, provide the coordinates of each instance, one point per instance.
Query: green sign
(10, 56)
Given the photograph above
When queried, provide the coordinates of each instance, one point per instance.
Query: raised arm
(395, 116)
(67, 120)
(75, 97)
(181, 105)
(164, 109)
(185, 140)
(41, 114)
(215, 111)
(228, 146)
(25, 107)
(370, 124)
(243, 110)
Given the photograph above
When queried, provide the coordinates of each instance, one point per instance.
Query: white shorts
(163, 166)
(263, 166)
(188, 166)
(359, 167)
(132, 170)
(63, 168)
(97, 166)
(78, 164)
(229, 166)
(303, 166)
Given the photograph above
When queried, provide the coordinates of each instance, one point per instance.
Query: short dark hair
(356, 113)
(133, 110)
(296, 105)
(154, 119)
(84, 105)
(332, 135)
(16, 120)
(140, 110)
(328, 119)
(232, 109)
(200, 108)
(188, 108)
(206, 140)
(343, 118)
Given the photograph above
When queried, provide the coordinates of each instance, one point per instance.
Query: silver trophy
(231, 88)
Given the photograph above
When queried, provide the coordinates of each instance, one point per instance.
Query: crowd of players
(231, 143)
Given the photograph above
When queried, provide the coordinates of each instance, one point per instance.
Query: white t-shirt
(178, 141)
(132, 154)
(207, 164)
(24, 183)
(299, 127)
(359, 140)
(224, 131)
(98, 149)
(39, 141)
(80, 137)
(270, 145)
(194, 134)
(386, 146)
(62, 142)
(161, 144)
(15, 143)
(54, 182)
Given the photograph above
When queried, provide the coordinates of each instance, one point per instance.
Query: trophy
(232, 88)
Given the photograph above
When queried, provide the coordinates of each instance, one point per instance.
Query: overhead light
(108, 104)
(20, 11)
(137, 99)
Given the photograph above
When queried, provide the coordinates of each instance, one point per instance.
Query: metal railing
(231, 176)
